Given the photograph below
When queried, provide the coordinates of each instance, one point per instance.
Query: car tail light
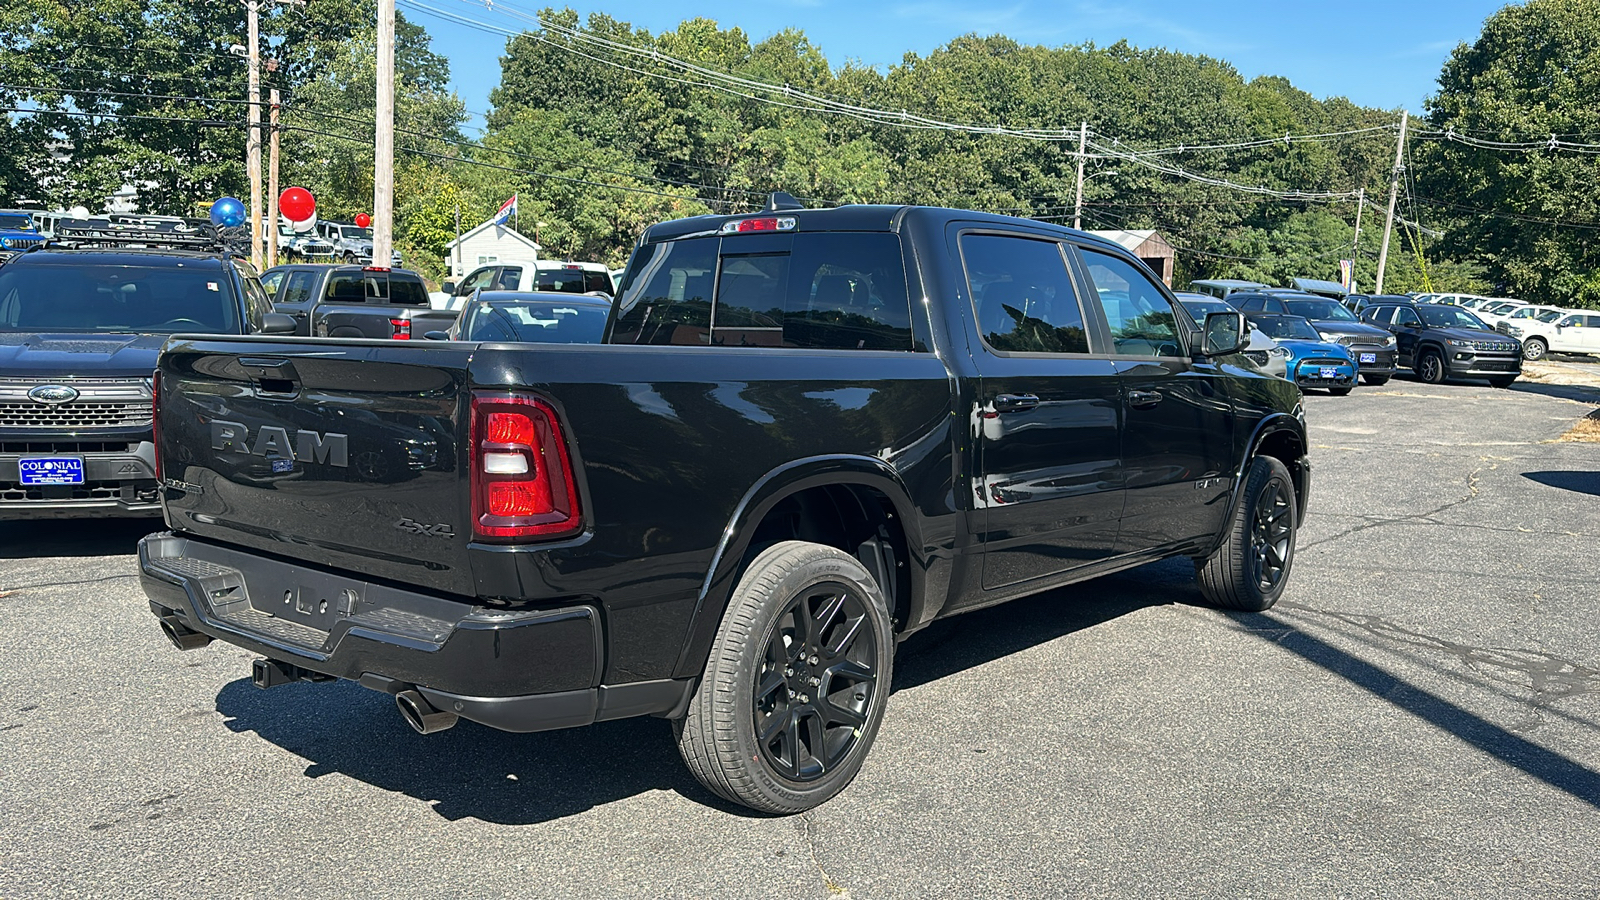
(740, 226)
(522, 480)
(155, 417)
(402, 329)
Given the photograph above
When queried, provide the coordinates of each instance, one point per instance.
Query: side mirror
(437, 336)
(449, 287)
(1224, 333)
(277, 323)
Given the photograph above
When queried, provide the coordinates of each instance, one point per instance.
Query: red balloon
(363, 220)
(296, 204)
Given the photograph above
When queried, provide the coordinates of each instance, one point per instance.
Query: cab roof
(67, 257)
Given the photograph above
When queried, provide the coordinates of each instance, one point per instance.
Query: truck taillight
(402, 329)
(522, 480)
(155, 417)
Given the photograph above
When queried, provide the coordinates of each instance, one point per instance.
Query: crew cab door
(1049, 483)
(1177, 434)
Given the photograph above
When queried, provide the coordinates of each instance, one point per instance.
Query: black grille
(1493, 346)
(1259, 357)
(12, 492)
(74, 415)
(76, 448)
(23, 243)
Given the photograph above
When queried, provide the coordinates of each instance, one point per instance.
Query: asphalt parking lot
(1419, 718)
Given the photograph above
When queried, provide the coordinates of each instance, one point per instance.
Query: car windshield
(116, 299)
(1319, 309)
(1450, 317)
(351, 231)
(1202, 308)
(1288, 328)
(12, 222)
(536, 321)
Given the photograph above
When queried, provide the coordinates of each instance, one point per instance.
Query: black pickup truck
(808, 434)
(354, 301)
(81, 324)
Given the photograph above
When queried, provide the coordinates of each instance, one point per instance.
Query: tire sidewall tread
(1225, 578)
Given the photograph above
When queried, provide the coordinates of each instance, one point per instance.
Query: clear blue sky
(1382, 53)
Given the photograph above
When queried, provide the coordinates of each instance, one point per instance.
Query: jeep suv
(1439, 342)
(1373, 348)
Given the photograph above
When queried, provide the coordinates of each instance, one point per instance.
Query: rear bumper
(115, 485)
(527, 670)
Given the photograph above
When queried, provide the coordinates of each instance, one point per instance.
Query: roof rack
(123, 232)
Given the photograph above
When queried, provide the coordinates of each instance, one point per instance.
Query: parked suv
(1373, 348)
(1439, 342)
(79, 333)
(350, 243)
(17, 233)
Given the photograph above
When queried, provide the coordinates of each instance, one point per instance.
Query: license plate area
(47, 470)
(316, 605)
(1328, 372)
(1369, 357)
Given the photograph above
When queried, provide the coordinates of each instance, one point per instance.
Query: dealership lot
(1418, 718)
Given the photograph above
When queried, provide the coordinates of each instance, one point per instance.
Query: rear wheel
(1250, 569)
(796, 684)
(1535, 348)
(1375, 380)
(1503, 381)
(1430, 367)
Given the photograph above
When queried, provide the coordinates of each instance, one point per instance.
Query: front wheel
(1430, 367)
(1535, 348)
(797, 681)
(1503, 381)
(1249, 570)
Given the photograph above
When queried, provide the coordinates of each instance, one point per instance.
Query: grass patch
(1587, 431)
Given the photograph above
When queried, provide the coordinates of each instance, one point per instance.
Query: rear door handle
(1143, 399)
(1015, 402)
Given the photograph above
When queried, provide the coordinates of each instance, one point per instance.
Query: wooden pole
(272, 182)
(1394, 191)
(253, 142)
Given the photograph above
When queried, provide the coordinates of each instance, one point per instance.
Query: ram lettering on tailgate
(272, 442)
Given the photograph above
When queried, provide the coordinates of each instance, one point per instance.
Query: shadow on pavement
(74, 537)
(476, 772)
(1546, 765)
(1579, 392)
(1578, 482)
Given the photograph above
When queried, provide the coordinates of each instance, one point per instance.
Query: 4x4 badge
(442, 529)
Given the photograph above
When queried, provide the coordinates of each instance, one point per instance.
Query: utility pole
(383, 153)
(1394, 191)
(253, 143)
(1355, 245)
(1083, 143)
(272, 182)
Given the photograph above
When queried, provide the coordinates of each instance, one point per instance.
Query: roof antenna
(780, 201)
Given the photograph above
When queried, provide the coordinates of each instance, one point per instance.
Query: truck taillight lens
(155, 417)
(402, 329)
(522, 480)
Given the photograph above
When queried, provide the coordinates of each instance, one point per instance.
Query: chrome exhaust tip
(421, 715)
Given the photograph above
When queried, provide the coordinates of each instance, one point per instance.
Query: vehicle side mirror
(277, 323)
(449, 287)
(1224, 333)
(437, 336)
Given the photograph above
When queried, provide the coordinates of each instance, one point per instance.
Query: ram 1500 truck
(807, 434)
(354, 301)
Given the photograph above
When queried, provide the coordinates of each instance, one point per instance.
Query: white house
(488, 243)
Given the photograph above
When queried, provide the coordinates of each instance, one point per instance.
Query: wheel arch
(855, 503)
(1283, 437)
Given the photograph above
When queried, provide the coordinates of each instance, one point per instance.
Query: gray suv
(352, 243)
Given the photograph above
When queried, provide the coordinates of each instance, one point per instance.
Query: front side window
(1140, 316)
(478, 279)
(1403, 316)
(1022, 295)
(296, 288)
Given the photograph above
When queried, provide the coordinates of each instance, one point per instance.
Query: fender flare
(1273, 424)
(767, 492)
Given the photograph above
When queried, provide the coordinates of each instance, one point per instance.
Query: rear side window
(510, 276)
(1022, 296)
(835, 291)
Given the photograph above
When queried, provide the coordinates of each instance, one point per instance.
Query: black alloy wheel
(815, 683)
(1250, 566)
(1272, 536)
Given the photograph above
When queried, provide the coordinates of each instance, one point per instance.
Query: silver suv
(352, 243)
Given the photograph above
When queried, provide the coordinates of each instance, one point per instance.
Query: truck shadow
(474, 772)
(73, 537)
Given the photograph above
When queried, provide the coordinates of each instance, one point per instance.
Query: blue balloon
(227, 212)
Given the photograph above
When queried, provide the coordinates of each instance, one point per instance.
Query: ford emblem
(53, 394)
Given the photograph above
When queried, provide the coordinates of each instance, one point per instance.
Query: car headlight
(1279, 353)
(1455, 343)
(1388, 340)
(6, 243)
(1328, 336)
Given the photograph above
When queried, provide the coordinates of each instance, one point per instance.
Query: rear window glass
(375, 287)
(837, 291)
(572, 281)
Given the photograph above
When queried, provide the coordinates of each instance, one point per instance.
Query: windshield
(351, 231)
(1289, 328)
(116, 299)
(1319, 309)
(536, 321)
(1450, 317)
(12, 222)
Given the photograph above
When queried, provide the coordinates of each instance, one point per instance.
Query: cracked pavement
(1420, 717)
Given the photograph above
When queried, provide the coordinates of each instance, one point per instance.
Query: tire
(1430, 367)
(1376, 380)
(1340, 391)
(1248, 572)
(797, 602)
(1535, 348)
(1503, 381)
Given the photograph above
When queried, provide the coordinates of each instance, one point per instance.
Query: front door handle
(1143, 399)
(1015, 402)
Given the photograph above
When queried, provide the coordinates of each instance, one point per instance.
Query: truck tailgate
(338, 453)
